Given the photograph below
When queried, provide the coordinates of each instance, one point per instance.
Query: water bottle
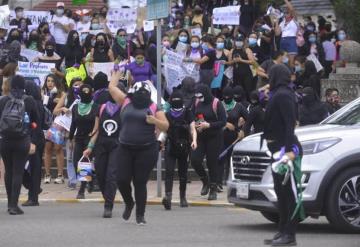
(26, 121)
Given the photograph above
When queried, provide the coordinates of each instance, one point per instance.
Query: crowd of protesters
(204, 115)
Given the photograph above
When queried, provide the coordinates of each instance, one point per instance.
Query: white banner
(148, 26)
(29, 54)
(4, 16)
(94, 68)
(227, 15)
(122, 18)
(129, 3)
(176, 70)
(36, 17)
(35, 71)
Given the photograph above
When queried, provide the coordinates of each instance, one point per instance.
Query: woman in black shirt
(207, 60)
(73, 53)
(101, 53)
(210, 118)
(15, 151)
(138, 149)
(83, 123)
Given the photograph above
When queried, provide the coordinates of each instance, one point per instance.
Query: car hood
(306, 133)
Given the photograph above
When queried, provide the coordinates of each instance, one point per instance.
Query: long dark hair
(70, 41)
(107, 46)
(176, 41)
(87, 44)
(58, 84)
(37, 40)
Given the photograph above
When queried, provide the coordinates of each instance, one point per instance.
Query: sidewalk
(60, 193)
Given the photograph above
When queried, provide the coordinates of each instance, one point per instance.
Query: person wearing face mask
(340, 38)
(177, 146)
(14, 34)
(313, 47)
(312, 110)
(240, 97)
(19, 14)
(255, 48)
(122, 47)
(14, 53)
(64, 106)
(242, 57)
(210, 117)
(62, 25)
(34, 42)
(181, 43)
(85, 124)
(15, 149)
(45, 35)
(195, 52)
(221, 62)
(279, 133)
(73, 53)
(138, 149)
(330, 55)
(236, 115)
(89, 43)
(85, 20)
(140, 69)
(101, 53)
(50, 56)
(207, 60)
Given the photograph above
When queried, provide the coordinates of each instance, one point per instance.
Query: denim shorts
(289, 45)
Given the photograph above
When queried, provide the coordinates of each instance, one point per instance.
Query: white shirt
(289, 30)
(58, 32)
(83, 27)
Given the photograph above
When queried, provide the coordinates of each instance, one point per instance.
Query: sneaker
(127, 212)
(47, 179)
(140, 220)
(59, 180)
(72, 186)
(80, 196)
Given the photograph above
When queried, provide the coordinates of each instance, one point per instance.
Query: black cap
(18, 8)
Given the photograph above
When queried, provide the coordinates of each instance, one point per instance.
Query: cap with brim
(60, 4)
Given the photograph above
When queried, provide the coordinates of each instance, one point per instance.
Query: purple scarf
(112, 108)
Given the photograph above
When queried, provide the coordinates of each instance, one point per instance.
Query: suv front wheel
(343, 201)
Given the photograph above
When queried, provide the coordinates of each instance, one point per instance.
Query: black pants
(135, 164)
(328, 68)
(286, 205)
(170, 163)
(14, 154)
(210, 147)
(32, 177)
(106, 165)
(224, 164)
(79, 148)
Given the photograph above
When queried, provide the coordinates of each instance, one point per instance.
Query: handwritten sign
(4, 16)
(227, 15)
(122, 18)
(35, 70)
(36, 17)
(94, 68)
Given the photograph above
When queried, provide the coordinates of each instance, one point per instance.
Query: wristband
(91, 145)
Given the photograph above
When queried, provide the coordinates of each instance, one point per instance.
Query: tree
(348, 16)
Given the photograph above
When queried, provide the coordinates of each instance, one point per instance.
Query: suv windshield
(346, 116)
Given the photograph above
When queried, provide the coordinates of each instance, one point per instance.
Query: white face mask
(59, 11)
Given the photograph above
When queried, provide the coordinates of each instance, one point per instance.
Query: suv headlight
(318, 145)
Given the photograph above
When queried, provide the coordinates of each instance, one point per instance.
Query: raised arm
(115, 92)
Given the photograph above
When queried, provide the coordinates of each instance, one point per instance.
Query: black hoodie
(312, 110)
(280, 113)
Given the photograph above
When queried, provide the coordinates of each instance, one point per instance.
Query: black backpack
(12, 122)
(48, 119)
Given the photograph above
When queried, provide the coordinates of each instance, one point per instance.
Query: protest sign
(176, 70)
(4, 16)
(35, 70)
(73, 72)
(196, 32)
(122, 18)
(94, 68)
(227, 15)
(36, 17)
(148, 26)
(128, 3)
(29, 54)
(314, 59)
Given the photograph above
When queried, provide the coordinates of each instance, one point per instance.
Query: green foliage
(348, 16)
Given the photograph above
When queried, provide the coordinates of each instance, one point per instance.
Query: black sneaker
(269, 241)
(15, 211)
(284, 240)
(140, 220)
(127, 212)
(183, 202)
(167, 203)
(107, 213)
(30, 203)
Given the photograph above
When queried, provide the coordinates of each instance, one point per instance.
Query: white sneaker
(47, 179)
(59, 180)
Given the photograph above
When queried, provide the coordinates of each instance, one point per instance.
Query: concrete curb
(156, 201)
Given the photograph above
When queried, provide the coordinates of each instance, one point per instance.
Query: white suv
(331, 171)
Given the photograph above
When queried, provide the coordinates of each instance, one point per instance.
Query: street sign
(157, 9)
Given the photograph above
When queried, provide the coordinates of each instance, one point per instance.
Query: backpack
(12, 121)
(214, 105)
(48, 119)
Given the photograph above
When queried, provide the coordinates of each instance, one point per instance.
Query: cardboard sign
(227, 15)
(4, 16)
(35, 70)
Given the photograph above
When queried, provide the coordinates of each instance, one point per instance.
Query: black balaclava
(228, 95)
(141, 95)
(176, 101)
(279, 76)
(17, 86)
(310, 69)
(309, 97)
(254, 98)
(238, 94)
(100, 81)
(85, 93)
(205, 91)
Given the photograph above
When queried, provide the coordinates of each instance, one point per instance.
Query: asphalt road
(80, 224)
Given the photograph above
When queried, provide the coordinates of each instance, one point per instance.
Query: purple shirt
(330, 51)
(140, 73)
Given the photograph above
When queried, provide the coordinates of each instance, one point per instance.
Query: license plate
(242, 190)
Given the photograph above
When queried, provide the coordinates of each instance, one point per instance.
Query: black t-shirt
(179, 126)
(109, 125)
(211, 54)
(135, 131)
(83, 125)
(236, 113)
(15, 22)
